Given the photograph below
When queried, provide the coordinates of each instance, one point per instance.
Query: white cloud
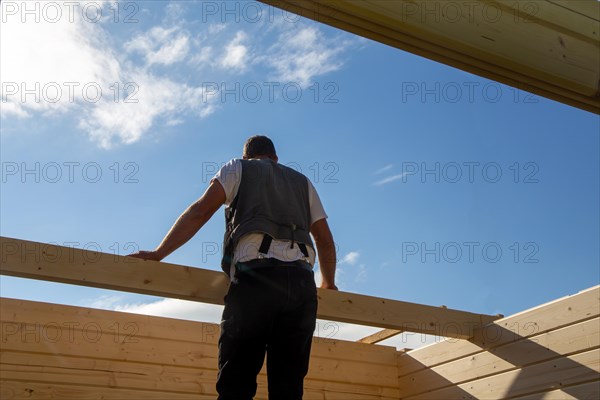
(13, 108)
(318, 277)
(302, 54)
(204, 56)
(81, 57)
(236, 53)
(176, 308)
(361, 275)
(104, 301)
(390, 179)
(352, 332)
(383, 169)
(160, 45)
(174, 11)
(350, 258)
(82, 53)
(157, 98)
(214, 29)
(78, 55)
(174, 122)
(342, 330)
(170, 308)
(411, 340)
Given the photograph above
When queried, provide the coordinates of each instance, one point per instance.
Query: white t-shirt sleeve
(229, 176)
(317, 211)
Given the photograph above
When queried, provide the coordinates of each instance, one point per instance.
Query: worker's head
(259, 147)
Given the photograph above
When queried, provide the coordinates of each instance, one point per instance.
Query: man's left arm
(189, 223)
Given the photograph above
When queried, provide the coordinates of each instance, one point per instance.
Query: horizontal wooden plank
(586, 391)
(379, 336)
(17, 390)
(126, 325)
(553, 15)
(500, 42)
(62, 369)
(562, 68)
(103, 346)
(546, 376)
(399, 315)
(167, 381)
(138, 376)
(326, 390)
(49, 317)
(196, 356)
(546, 317)
(36, 260)
(550, 345)
(588, 8)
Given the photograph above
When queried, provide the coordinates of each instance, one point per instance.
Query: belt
(271, 262)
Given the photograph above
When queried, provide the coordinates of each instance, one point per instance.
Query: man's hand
(147, 255)
(328, 286)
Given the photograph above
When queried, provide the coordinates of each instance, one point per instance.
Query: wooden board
(546, 376)
(547, 346)
(531, 354)
(560, 58)
(379, 336)
(56, 350)
(546, 317)
(36, 260)
(11, 390)
(16, 390)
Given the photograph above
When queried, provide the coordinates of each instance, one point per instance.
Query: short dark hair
(258, 146)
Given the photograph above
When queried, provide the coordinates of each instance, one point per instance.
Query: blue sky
(441, 187)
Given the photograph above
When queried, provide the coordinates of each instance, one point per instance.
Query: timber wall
(56, 351)
(66, 352)
(548, 352)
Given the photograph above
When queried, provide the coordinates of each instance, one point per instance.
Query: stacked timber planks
(66, 352)
(551, 352)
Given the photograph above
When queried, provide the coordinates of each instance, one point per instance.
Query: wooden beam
(379, 336)
(41, 391)
(575, 369)
(399, 315)
(544, 318)
(583, 7)
(49, 262)
(569, 340)
(559, 60)
(35, 260)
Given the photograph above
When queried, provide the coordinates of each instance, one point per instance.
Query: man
(271, 304)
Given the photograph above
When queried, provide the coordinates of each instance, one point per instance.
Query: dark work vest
(271, 199)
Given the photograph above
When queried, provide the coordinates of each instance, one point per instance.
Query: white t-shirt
(230, 176)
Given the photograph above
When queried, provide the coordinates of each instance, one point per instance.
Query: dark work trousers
(268, 309)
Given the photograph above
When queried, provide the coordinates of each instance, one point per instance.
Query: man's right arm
(326, 252)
